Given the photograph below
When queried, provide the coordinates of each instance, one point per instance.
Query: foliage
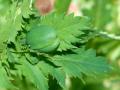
(19, 63)
(105, 14)
(62, 6)
(108, 23)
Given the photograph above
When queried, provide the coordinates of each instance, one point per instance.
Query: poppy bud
(44, 6)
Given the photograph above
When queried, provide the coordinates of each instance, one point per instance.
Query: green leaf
(62, 6)
(4, 79)
(32, 60)
(26, 8)
(57, 73)
(83, 61)
(34, 74)
(11, 22)
(68, 28)
(12, 57)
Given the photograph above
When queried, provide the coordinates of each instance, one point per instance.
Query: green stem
(31, 51)
(111, 36)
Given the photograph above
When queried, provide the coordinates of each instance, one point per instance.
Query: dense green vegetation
(59, 51)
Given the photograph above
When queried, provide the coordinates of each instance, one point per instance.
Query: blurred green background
(105, 16)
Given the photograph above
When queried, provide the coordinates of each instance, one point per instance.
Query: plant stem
(111, 36)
